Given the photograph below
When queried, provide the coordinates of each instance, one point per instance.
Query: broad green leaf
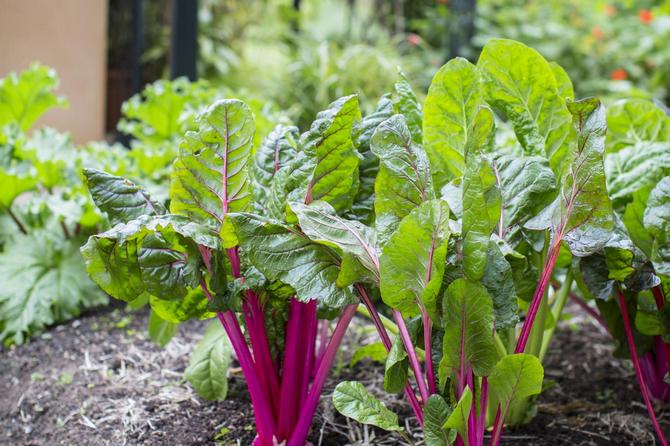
(403, 181)
(435, 414)
(454, 97)
(396, 370)
(14, 183)
(322, 225)
(160, 330)
(376, 352)
(44, 281)
(208, 369)
(289, 184)
(328, 142)
(633, 219)
(405, 103)
(412, 262)
(521, 84)
(283, 253)
(121, 199)
(514, 378)
(527, 185)
(458, 420)
(362, 131)
(468, 328)
(352, 400)
(657, 222)
(158, 255)
(481, 197)
(26, 96)
(634, 121)
(582, 212)
(194, 305)
(52, 154)
(563, 82)
(499, 282)
(210, 176)
(635, 167)
(276, 151)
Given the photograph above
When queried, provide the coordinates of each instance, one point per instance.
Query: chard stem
(638, 370)
(660, 303)
(411, 352)
(301, 430)
(428, 348)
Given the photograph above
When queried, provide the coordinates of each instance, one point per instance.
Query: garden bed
(100, 381)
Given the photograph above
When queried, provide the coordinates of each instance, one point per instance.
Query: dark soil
(99, 381)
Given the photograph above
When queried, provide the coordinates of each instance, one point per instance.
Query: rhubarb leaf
(412, 262)
(121, 199)
(352, 400)
(403, 181)
(521, 84)
(210, 177)
(283, 253)
(454, 97)
(468, 329)
(329, 143)
(208, 369)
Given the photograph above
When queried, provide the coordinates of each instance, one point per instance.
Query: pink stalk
(323, 342)
(294, 359)
(537, 298)
(428, 348)
(660, 303)
(481, 421)
(310, 334)
(299, 435)
(386, 340)
(638, 370)
(472, 417)
(497, 428)
(411, 353)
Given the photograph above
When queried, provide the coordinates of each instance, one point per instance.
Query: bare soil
(100, 381)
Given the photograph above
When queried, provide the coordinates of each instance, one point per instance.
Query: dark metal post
(184, 46)
(138, 45)
(462, 26)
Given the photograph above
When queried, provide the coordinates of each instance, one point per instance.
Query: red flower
(597, 32)
(646, 16)
(413, 39)
(619, 74)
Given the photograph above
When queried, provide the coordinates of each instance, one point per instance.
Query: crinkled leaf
(481, 197)
(521, 84)
(406, 104)
(193, 305)
(121, 199)
(396, 370)
(210, 177)
(158, 255)
(499, 282)
(328, 142)
(657, 222)
(633, 121)
(635, 167)
(403, 181)
(208, 369)
(412, 262)
(468, 328)
(352, 400)
(515, 378)
(454, 97)
(283, 253)
(435, 413)
(276, 151)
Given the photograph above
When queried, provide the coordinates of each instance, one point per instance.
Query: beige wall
(70, 36)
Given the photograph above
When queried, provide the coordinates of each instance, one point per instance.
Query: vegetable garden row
(458, 227)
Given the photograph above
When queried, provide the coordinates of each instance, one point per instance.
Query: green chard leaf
(412, 262)
(514, 378)
(635, 167)
(210, 176)
(499, 282)
(283, 253)
(160, 330)
(633, 121)
(328, 142)
(454, 97)
(481, 197)
(403, 181)
(458, 420)
(436, 413)
(657, 222)
(121, 199)
(158, 255)
(375, 351)
(352, 400)
(15, 181)
(468, 329)
(522, 85)
(405, 103)
(396, 371)
(208, 369)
